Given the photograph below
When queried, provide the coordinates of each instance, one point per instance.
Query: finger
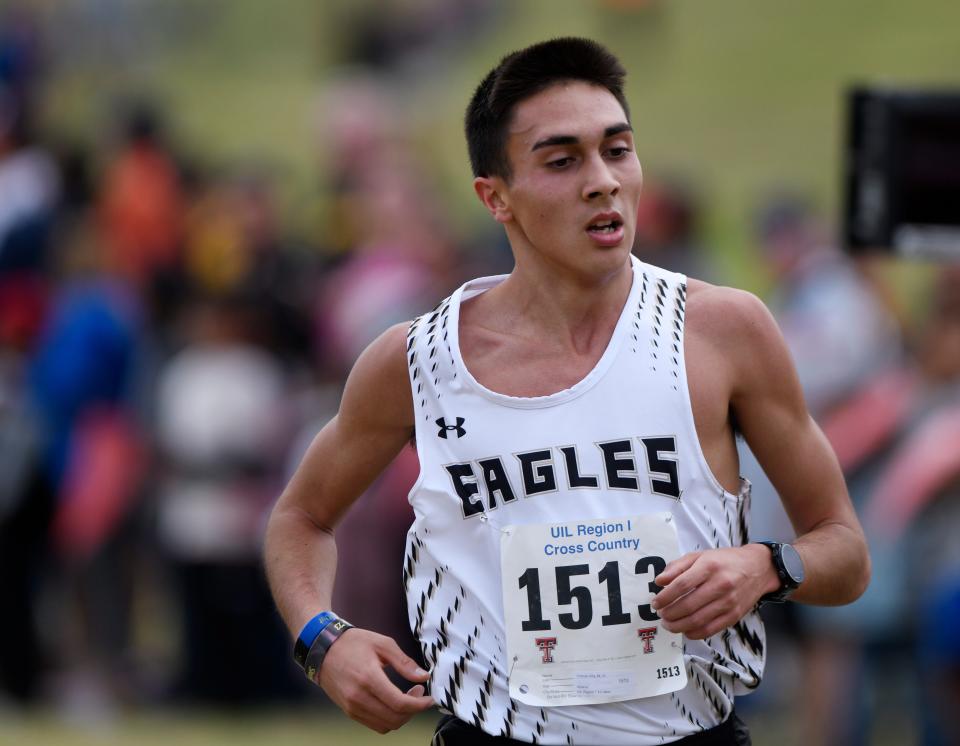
(372, 713)
(675, 568)
(700, 620)
(680, 586)
(402, 663)
(395, 700)
(382, 715)
(711, 628)
(416, 691)
(381, 723)
(690, 603)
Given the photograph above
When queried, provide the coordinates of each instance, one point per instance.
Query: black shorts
(451, 731)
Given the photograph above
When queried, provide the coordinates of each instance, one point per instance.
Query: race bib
(576, 597)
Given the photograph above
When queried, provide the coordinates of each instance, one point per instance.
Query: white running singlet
(540, 524)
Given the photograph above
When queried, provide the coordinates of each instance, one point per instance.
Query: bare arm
(802, 466)
(373, 424)
(705, 592)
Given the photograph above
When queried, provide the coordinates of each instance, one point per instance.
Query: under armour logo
(647, 634)
(546, 645)
(444, 427)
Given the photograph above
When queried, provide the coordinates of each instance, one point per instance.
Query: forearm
(301, 562)
(836, 564)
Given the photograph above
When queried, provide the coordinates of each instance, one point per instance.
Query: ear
(492, 192)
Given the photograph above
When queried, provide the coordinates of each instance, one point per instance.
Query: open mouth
(604, 226)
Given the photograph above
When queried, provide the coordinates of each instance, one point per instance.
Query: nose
(600, 181)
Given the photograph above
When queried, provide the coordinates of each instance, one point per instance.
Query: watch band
(788, 584)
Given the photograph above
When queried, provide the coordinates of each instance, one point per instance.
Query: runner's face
(576, 180)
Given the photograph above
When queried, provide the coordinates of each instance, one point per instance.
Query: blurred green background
(738, 96)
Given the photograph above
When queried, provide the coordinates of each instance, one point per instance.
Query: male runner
(578, 570)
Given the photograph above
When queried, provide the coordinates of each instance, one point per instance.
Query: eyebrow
(610, 131)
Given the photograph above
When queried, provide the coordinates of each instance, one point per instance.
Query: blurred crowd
(169, 346)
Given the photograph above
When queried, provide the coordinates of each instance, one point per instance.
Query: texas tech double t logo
(546, 645)
(647, 634)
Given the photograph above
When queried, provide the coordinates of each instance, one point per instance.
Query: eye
(618, 152)
(560, 162)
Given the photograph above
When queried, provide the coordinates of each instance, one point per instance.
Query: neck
(550, 307)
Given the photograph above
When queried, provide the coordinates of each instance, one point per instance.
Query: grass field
(298, 729)
(208, 729)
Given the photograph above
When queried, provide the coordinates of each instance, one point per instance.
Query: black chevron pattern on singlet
(484, 693)
(432, 342)
(414, 363)
(700, 678)
(411, 560)
(539, 727)
(715, 674)
(445, 317)
(748, 637)
(638, 314)
(676, 332)
(750, 677)
(685, 712)
(451, 694)
(658, 322)
(731, 523)
(743, 523)
(428, 331)
(409, 567)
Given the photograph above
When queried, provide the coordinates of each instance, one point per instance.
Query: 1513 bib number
(568, 593)
(580, 629)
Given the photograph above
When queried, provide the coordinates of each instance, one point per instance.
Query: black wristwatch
(789, 566)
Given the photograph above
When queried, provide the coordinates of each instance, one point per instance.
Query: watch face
(792, 563)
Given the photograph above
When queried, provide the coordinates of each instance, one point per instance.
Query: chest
(531, 368)
(524, 367)
(531, 364)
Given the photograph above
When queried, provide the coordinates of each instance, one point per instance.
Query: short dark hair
(523, 74)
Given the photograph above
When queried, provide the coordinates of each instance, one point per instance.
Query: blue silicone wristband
(318, 651)
(308, 635)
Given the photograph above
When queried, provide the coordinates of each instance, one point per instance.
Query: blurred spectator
(141, 201)
(82, 378)
(898, 440)
(29, 188)
(402, 255)
(222, 429)
(26, 507)
(233, 245)
(834, 322)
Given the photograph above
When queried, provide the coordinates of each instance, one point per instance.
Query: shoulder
(386, 355)
(378, 387)
(726, 309)
(738, 329)
(728, 316)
